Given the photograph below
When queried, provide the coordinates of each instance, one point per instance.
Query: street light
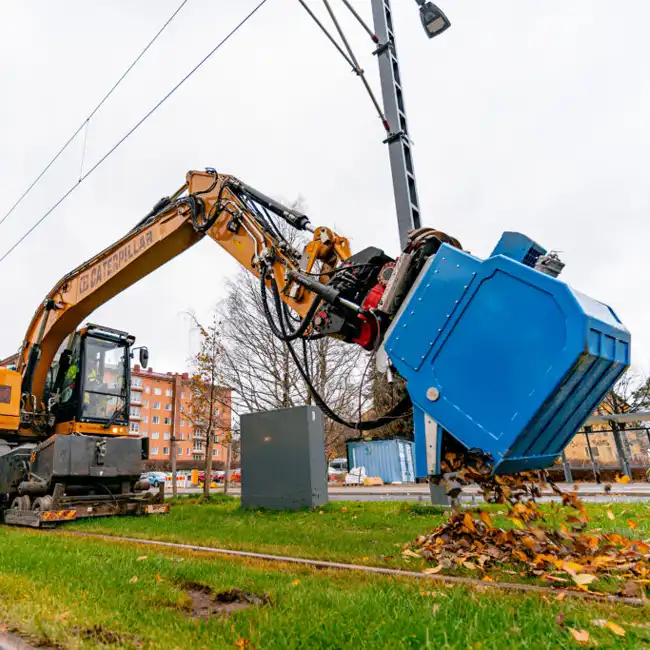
(433, 19)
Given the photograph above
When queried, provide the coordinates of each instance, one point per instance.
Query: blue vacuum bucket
(507, 359)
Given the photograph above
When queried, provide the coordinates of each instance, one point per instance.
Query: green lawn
(365, 533)
(79, 593)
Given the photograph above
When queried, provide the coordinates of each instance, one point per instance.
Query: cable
(398, 411)
(350, 57)
(137, 125)
(87, 120)
(373, 36)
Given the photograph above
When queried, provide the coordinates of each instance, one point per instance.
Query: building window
(166, 434)
(145, 402)
(215, 452)
(155, 419)
(180, 451)
(144, 432)
(155, 435)
(146, 419)
(168, 407)
(165, 451)
(182, 422)
(169, 392)
(156, 405)
(136, 382)
(134, 412)
(180, 437)
(147, 389)
(182, 394)
(157, 391)
(168, 420)
(134, 427)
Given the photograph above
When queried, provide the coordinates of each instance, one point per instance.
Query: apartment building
(160, 404)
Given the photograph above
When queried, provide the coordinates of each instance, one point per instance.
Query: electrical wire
(349, 57)
(87, 120)
(135, 127)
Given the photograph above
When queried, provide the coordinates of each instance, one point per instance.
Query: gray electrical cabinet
(283, 463)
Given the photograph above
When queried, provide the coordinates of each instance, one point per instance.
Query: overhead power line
(135, 127)
(87, 120)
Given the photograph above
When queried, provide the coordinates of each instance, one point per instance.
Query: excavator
(498, 355)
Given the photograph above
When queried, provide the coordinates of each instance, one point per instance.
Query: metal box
(69, 456)
(391, 460)
(283, 459)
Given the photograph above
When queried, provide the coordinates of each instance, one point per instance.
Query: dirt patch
(205, 603)
(105, 636)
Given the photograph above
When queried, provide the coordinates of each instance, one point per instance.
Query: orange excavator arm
(209, 204)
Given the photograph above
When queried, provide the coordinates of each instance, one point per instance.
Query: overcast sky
(528, 116)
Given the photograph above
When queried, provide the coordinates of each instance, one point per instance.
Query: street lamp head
(433, 19)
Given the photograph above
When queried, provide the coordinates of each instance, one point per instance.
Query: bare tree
(206, 394)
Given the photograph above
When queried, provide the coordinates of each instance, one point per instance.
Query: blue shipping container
(391, 460)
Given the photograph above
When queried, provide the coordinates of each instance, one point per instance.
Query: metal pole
(568, 477)
(620, 449)
(399, 144)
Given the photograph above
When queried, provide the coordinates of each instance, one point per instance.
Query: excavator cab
(88, 383)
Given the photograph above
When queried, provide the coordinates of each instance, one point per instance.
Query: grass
(364, 533)
(81, 593)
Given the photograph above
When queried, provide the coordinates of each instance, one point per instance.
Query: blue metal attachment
(507, 359)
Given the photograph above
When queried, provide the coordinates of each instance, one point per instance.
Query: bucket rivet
(433, 393)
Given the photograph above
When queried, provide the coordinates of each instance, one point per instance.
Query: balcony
(136, 398)
(135, 386)
(135, 416)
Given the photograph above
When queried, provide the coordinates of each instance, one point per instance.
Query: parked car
(337, 469)
(215, 476)
(235, 476)
(155, 478)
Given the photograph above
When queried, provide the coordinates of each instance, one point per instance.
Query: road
(632, 492)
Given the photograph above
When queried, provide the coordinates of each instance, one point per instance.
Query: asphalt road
(632, 492)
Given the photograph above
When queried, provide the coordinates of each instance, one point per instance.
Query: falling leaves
(133, 580)
(559, 550)
(622, 479)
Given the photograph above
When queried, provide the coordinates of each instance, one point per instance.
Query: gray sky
(528, 116)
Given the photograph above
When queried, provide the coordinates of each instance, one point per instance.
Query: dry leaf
(559, 619)
(470, 565)
(3, 628)
(487, 579)
(581, 636)
(158, 577)
(142, 558)
(365, 559)
(469, 524)
(485, 518)
(409, 553)
(622, 479)
(584, 578)
(518, 523)
(295, 582)
(435, 608)
(344, 509)
(244, 644)
(432, 570)
(561, 596)
(133, 580)
(632, 524)
(610, 514)
(616, 629)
